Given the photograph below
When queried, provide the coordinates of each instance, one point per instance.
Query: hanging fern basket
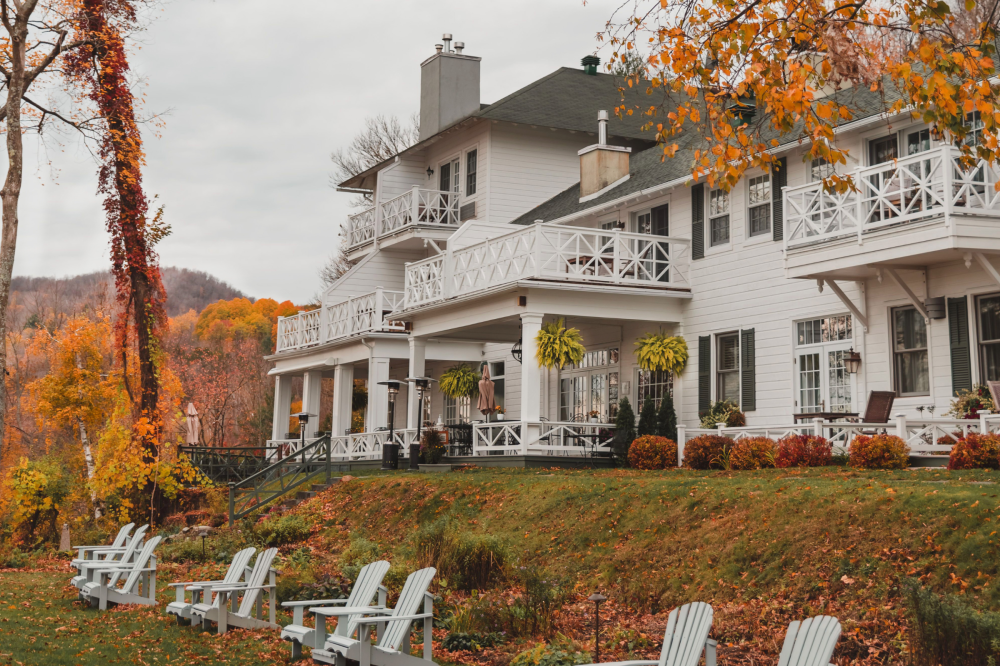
(656, 351)
(460, 381)
(558, 345)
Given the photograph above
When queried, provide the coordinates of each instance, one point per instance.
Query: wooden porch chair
(250, 614)
(366, 587)
(393, 646)
(685, 639)
(89, 568)
(878, 409)
(182, 609)
(139, 587)
(810, 642)
(994, 388)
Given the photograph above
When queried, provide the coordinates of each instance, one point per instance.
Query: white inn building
(507, 215)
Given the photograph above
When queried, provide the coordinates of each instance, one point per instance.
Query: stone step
(304, 495)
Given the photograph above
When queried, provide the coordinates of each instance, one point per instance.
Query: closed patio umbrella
(191, 437)
(486, 404)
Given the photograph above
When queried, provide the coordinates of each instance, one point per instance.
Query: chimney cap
(459, 46)
(446, 36)
(590, 63)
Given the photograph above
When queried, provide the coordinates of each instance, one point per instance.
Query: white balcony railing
(921, 186)
(551, 252)
(340, 319)
(413, 207)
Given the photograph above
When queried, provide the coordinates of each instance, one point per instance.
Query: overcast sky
(257, 98)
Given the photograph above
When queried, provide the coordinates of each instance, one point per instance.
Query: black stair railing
(225, 464)
(310, 462)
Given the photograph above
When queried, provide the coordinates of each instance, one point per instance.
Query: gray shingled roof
(649, 169)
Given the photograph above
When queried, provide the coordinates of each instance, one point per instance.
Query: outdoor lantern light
(597, 598)
(430, 172)
(390, 450)
(303, 418)
(852, 361)
(422, 384)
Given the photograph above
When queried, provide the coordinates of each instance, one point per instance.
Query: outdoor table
(826, 416)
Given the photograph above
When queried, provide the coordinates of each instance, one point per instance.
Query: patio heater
(390, 450)
(422, 385)
(303, 418)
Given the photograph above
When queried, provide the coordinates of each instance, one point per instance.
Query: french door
(823, 383)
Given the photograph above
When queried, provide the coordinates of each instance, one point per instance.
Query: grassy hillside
(763, 547)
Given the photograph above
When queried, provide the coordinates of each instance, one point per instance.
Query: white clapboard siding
(382, 268)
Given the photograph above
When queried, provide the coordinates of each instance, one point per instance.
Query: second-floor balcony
(917, 207)
(414, 208)
(551, 253)
(340, 319)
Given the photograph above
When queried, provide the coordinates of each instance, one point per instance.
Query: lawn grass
(42, 623)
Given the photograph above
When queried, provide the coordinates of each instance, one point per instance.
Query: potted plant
(500, 411)
(594, 415)
(558, 345)
(657, 351)
(460, 381)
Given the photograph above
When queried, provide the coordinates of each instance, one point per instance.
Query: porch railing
(554, 438)
(925, 437)
(417, 206)
(351, 316)
(362, 226)
(551, 252)
(930, 184)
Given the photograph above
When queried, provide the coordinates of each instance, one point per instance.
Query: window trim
(896, 354)
(709, 219)
(979, 340)
(717, 353)
(465, 180)
(770, 209)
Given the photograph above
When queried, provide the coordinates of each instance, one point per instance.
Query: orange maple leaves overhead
(748, 76)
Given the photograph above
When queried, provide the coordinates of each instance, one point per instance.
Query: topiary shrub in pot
(879, 452)
(975, 451)
(653, 452)
(803, 451)
(432, 446)
(752, 453)
(706, 451)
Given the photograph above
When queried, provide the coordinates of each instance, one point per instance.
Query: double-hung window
(989, 337)
(820, 169)
(759, 199)
(974, 124)
(457, 410)
(471, 168)
(728, 367)
(718, 216)
(909, 350)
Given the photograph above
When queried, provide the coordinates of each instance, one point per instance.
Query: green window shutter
(958, 336)
(704, 373)
(748, 371)
(698, 222)
(779, 179)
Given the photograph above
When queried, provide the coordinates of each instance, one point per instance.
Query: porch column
(312, 389)
(531, 324)
(418, 354)
(282, 406)
(343, 395)
(378, 396)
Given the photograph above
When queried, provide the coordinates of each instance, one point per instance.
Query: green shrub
(185, 550)
(652, 452)
(280, 531)
(879, 452)
(706, 451)
(359, 552)
(37, 489)
(13, 559)
(647, 418)
(328, 587)
(666, 418)
(561, 652)
(723, 411)
(432, 446)
(946, 630)
(752, 453)
(975, 451)
(531, 612)
(478, 560)
(472, 641)
(624, 432)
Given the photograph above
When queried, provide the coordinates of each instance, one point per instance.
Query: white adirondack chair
(251, 603)
(182, 610)
(685, 639)
(120, 541)
(367, 585)
(810, 642)
(110, 553)
(88, 568)
(393, 646)
(139, 586)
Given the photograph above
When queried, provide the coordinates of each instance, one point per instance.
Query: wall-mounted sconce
(852, 361)
(430, 172)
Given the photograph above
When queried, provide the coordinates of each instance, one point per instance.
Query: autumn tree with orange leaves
(706, 64)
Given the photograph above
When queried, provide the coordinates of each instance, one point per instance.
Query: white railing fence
(356, 446)
(417, 206)
(335, 320)
(552, 438)
(932, 436)
(362, 226)
(551, 252)
(933, 183)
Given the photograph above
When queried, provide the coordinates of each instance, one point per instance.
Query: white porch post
(312, 389)
(282, 406)
(378, 396)
(343, 394)
(531, 324)
(418, 354)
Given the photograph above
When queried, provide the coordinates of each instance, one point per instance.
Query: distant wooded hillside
(186, 289)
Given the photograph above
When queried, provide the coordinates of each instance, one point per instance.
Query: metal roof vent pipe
(438, 47)
(458, 47)
(590, 63)
(602, 128)
(446, 38)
